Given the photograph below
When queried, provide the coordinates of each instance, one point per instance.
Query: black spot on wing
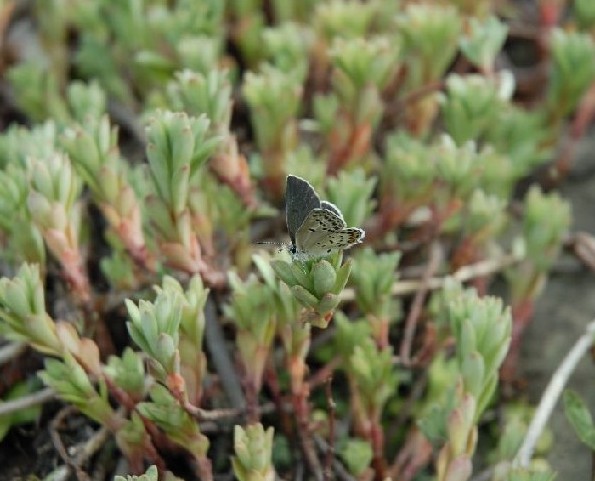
(300, 199)
(328, 220)
(354, 235)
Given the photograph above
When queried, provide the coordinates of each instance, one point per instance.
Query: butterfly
(316, 228)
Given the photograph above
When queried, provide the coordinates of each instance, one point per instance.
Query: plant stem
(299, 397)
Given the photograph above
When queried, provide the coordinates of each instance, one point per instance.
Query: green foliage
(357, 455)
(580, 418)
(287, 47)
(374, 375)
(197, 94)
(155, 328)
(316, 284)
(72, 383)
(177, 423)
(149, 475)
(22, 311)
(400, 111)
(572, 70)
(349, 334)
(483, 41)
(273, 96)
(482, 327)
(585, 13)
(471, 104)
(352, 193)
(342, 18)
(373, 278)
(253, 448)
(38, 92)
(128, 372)
(22, 416)
(423, 27)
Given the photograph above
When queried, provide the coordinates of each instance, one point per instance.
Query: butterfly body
(316, 227)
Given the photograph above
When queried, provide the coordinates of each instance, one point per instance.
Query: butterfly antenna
(270, 243)
(281, 245)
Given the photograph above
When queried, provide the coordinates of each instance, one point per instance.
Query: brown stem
(468, 252)
(549, 13)
(413, 456)
(330, 452)
(205, 468)
(417, 305)
(300, 394)
(252, 408)
(210, 415)
(273, 182)
(156, 436)
(323, 374)
(272, 381)
(389, 218)
(377, 440)
(231, 168)
(355, 146)
(96, 327)
(430, 230)
(415, 95)
(465, 253)
(59, 445)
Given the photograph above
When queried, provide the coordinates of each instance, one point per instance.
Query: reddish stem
(156, 437)
(252, 411)
(323, 374)
(382, 331)
(377, 440)
(356, 146)
(432, 228)
(205, 468)
(272, 381)
(522, 313)
(300, 394)
(549, 13)
(413, 456)
(390, 218)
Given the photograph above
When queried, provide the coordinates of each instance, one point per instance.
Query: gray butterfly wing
(325, 204)
(324, 232)
(300, 200)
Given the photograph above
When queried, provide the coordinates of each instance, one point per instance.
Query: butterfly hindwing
(301, 199)
(325, 204)
(324, 232)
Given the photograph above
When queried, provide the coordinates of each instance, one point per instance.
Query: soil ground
(562, 312)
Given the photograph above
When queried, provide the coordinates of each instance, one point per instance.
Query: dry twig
(24, 402)
(330, 452)
(552, 393)
(417, 304)
(71, 463)
(10, 351)
(464, 274)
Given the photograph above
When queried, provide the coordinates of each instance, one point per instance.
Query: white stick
(552, 394)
